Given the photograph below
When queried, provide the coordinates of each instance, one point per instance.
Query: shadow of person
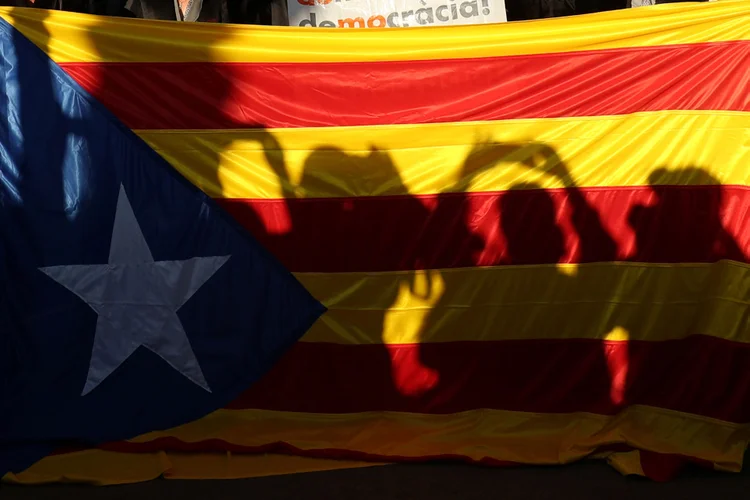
(334, 226)
(689, 217)
(527, 298)
(681, 223)
(379, 234)
(595, 243)
(449, 239)
(528, 220)
(385, 255)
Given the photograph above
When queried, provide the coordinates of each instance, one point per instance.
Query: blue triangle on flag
(130, 301)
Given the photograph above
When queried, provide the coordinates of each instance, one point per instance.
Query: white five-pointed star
(137, 300)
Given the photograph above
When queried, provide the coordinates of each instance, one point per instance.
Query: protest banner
(394, 13)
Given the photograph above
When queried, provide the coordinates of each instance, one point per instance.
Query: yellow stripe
(93, 467)
(425, 159)
(502, 435)
(627, 463)
(78, 38)
(108, 467)
(615, 301)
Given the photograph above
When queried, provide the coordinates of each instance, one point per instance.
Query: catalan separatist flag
(531, 239)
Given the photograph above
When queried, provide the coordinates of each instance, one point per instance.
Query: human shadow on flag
(590, 317)
(511, 319)
(425, 292)
(541, 298)
(373, 252)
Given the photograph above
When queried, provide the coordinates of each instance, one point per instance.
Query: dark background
(268, 12)
(581, 481)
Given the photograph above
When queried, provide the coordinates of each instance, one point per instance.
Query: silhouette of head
(330, 171)
(683, 220)
(528, 219)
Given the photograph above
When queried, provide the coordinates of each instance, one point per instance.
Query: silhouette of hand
(484, 155)
(546, 159)
(479, 158)
(274, 153)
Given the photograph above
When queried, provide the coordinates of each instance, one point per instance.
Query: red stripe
(644, 224)
(702, 375)
(709, 76)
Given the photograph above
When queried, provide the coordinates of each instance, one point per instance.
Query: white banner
(394, 13)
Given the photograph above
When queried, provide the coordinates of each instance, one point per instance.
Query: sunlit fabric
(532, 239)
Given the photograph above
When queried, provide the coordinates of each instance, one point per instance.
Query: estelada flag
(531, 238)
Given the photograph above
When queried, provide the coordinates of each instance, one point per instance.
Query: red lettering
(379, 19)
(351, 22)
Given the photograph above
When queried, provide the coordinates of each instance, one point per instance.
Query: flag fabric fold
(531, 239)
